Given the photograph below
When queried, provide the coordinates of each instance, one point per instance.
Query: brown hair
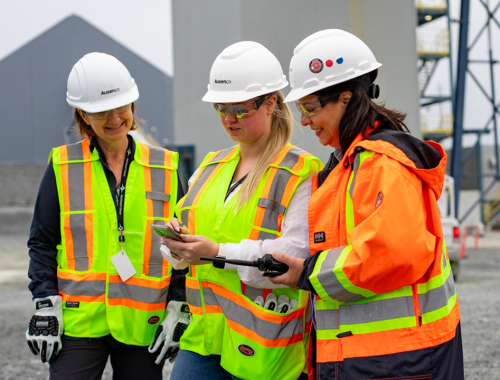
(361, 113)
(281, 132)
(85, 130)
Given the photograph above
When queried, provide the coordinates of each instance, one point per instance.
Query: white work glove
(283, 305)
(170, 331)
(45, 328)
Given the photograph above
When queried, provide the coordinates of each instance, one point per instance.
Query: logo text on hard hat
(246, 350)
(222, 81)
(316, 65)
(110, 91)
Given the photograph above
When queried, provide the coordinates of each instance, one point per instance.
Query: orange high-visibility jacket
(385, 297)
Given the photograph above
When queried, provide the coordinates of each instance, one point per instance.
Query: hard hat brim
(237, 96)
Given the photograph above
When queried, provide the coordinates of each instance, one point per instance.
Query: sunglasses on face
(240, 110)
(312, 106)
(105, 114)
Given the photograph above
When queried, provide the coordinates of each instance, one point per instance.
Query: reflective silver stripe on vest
(159, 196)
(329, 281)
(193, 192)
(357, 161)
(436, 298)
(291, 158)
(273, 202)
(221, 155)
(137, 293)
(445, 262)
(276, 192)
(193, 297)
(76, 193)
(374, 311)
(81, 288)
(253, 293)
(244, 317)
(157, 157)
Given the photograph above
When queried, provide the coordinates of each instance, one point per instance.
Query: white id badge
(123, 265)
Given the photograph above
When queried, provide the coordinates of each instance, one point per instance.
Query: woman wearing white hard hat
(385, 305)
(99, 283)
(243, 202)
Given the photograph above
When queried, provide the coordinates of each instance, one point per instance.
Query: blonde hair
(281, 133)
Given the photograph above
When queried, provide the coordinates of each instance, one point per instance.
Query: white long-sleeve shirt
(294, 241)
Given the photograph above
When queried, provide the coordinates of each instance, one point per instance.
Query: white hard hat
(244, 71)
(99, 82)
(327, 58)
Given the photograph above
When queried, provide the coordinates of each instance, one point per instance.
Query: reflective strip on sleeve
(374, 311)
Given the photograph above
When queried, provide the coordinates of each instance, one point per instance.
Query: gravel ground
(476, 287)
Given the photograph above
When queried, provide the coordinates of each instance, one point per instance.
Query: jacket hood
(425, 158)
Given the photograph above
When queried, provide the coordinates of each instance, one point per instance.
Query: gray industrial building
(35, 115)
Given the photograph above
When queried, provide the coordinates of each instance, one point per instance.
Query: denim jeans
(192, 366)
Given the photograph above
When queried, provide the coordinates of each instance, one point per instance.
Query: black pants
(85, 359)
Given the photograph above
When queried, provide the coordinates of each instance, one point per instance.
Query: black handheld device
(267, 264)
(165, 231)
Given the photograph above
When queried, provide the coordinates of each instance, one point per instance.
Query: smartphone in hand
(165, 231)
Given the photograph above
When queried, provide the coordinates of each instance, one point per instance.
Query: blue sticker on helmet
(340, 60)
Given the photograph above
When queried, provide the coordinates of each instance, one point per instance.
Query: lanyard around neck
(120, 196)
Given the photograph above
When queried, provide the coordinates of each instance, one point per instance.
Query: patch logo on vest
(319, 237)
(378, 202)
(246, 350)
(153, 320)
(316, 65)
(72, 304)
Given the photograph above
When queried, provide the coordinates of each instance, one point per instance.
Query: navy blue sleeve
(177, 290)
(45, 235)
(304, 282)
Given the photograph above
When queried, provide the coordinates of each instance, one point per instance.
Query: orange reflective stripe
(168, 183)
(141, 282)
(81, 277)
(389, 341)
(249, 334)
(69, 298)
(68, 237)
(136, 304)
(259, 216)
(213, 309)
(149, 210)
(196, 310)
(190, 283)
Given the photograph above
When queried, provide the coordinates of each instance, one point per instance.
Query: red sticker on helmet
(329, 63)
(316, 65)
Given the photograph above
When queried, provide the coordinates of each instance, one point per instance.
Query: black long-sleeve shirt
(45, 233)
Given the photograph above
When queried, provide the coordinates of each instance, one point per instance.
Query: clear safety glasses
(312, 106)
(105, 114)
(240, 110)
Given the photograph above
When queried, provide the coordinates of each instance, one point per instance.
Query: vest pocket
(256, 339)
(79, 235)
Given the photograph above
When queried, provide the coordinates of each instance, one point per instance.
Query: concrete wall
(203, 29)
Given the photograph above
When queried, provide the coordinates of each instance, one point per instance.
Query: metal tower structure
(434, 51)
(489, 207)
